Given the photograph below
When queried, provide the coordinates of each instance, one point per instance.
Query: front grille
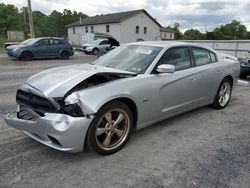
(27, 114)
(39, 104)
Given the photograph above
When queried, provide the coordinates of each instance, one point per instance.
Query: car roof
(50, 38)
(100, 39)
(167, 44)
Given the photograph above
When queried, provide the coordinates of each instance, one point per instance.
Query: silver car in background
(136, 85)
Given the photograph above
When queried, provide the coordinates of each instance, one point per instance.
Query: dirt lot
(202, 148)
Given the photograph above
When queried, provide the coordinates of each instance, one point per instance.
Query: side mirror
(166, 68)
(35, 45)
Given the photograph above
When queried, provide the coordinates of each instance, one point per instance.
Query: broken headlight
(70, 109)
(73, 110)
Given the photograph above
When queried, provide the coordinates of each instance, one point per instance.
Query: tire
(26, 56)
(107, 138)
(223, 95)
(95, 51)
(64, 55)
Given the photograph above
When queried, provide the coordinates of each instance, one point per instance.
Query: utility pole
(32, 34)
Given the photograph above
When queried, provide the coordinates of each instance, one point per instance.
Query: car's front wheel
(95, 51)
(26, 56)
(110, 129)
(223, 95)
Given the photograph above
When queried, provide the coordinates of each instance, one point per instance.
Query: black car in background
(245, 67)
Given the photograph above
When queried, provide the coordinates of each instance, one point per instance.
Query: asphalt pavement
(201, 148)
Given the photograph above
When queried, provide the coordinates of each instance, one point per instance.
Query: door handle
(219, 70)
(192, 78)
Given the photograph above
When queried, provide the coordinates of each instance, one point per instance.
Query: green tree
(52, 25)
(193, 34)
(9, 18)
(176, 30)
(231, 31)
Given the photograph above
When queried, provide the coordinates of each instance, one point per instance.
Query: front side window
(43, 42)
(137, 29)
(201, 56)
(179, 57)
(133, 58)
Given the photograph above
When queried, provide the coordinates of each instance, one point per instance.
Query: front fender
(90, 104)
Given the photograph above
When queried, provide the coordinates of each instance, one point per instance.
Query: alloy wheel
(112, 129)
(224, 94)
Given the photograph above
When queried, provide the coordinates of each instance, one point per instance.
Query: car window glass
(104, 42)
(133, 58)
(43, 42)
(201, 56)
(55, 42)
(179, 57)
(213, 57)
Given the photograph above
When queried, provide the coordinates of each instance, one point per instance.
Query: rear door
(56, 45)
(209, 73)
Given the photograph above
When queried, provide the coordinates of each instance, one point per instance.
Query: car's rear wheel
(26, 56)
(110, 129)
(223, 95)
(65, 55)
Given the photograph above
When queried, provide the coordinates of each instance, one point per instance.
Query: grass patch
(2, 42)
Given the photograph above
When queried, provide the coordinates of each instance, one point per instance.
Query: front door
(176, 90)
(41, 48)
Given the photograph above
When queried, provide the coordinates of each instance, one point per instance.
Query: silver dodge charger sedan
(98, 105)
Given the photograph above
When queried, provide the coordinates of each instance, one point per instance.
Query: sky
(204, 15)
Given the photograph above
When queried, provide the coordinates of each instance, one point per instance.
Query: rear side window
(104, 42)
(179, 57)
(56, 41)
(202, 56)
(213, 57)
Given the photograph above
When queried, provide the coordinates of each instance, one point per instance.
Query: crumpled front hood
(56, 82)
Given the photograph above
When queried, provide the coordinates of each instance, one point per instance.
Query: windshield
(132, 58)
(29, 41)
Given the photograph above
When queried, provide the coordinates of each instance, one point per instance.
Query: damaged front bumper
(59, 131)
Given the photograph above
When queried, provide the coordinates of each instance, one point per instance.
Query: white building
(130, 26)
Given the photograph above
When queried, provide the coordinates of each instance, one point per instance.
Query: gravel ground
(201, 148)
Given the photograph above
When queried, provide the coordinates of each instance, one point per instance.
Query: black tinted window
(201, 56)
(104, 42)
(43, 42)
(179, 57)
